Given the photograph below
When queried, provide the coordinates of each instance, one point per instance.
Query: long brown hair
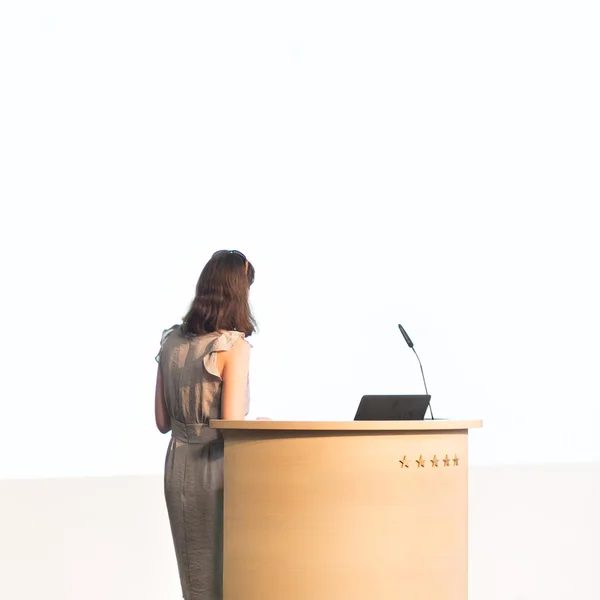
(221, 302)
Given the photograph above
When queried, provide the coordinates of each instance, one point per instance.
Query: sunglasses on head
(219, 252)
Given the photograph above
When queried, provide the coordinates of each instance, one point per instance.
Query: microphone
(408, 340)
(412, 347)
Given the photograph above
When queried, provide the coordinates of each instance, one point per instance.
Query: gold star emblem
(434, 461)
(421, 461)
(404, 462)
(447, 461)
(455, 460)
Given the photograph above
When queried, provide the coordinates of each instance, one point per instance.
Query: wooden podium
(367, 510)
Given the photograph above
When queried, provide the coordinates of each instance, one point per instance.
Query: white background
(431, 163)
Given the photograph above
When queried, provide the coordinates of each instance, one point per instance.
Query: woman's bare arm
(235, 381)
(161, 414)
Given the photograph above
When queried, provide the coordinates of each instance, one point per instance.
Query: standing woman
(202, 375)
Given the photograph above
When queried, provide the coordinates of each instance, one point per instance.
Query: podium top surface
(425, 425)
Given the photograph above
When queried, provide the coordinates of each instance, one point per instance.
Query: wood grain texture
(334, 515)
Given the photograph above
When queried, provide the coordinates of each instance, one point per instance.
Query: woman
(202, 375)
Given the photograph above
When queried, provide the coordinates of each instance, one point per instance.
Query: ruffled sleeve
(165, 335)
(224, 342)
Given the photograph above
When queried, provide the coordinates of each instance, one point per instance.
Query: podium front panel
(345, 515)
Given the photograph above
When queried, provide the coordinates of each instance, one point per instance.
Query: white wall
(534, 534)
(432, 164)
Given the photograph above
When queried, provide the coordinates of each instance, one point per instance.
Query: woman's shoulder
(167, 332)
(165, 336)
(226, 345)
(220, 340)
(226, 340)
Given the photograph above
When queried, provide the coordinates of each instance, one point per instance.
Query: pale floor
(534, 535)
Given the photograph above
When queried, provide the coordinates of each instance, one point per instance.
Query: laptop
(392, 408)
